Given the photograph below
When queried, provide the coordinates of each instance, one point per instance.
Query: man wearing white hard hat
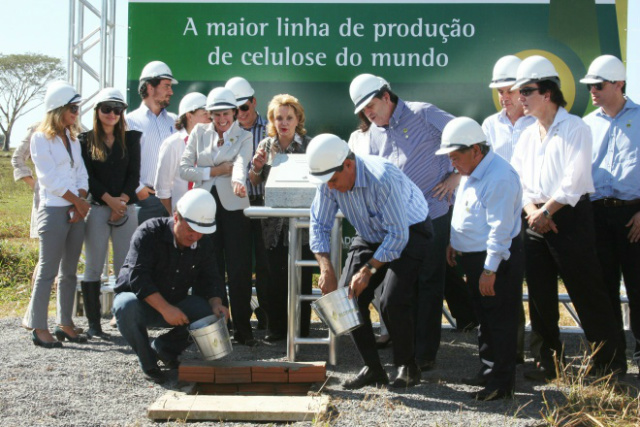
(485, 240)
(393, 228)
(156, 125)
(250, 120)
(408, 135)
(615, 126)
(168, 184)
(553, 159)
(167, 258)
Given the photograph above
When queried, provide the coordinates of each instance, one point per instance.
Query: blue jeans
(151, 207)
(134, 316)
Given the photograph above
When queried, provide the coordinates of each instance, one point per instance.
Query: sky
(41, 26)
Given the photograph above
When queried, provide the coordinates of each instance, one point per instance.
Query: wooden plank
(174, 406)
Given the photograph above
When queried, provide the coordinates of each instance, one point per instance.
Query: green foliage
(23, 81)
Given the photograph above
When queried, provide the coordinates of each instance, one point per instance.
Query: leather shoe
(274, 336)
(44, 344)
(408, 376)
(61, 335)
(169, 361)
(480, 379)
(488, 394)
(540, 374)
(249, 342)
(154, 375)
(367, 376)
(426, 365)
(383, 341)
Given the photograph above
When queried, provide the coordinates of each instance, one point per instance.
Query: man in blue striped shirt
(393, 228)
(408, 135)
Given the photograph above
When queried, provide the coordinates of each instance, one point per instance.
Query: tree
(23, 82)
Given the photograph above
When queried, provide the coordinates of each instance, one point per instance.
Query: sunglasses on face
(528, 91)
(74, 108)
(244, 107)
(597, 86)
(106, 109)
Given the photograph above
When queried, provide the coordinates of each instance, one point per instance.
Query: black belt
(463, 254)
(150, 187)
(610, 202)
(257, 197)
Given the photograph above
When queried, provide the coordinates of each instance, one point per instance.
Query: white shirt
(168, 184)
(559, 167)
(487, 211)
(155, 129)
(502, 135)
(56, 173)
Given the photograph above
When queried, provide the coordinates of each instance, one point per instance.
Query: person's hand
(174, 316)
(82, 207)
(486, 285)
(144, 193)
(239, 189)
(634, 231)
(327, 282)
(224, 169)
(30, 182)
(73, 215)
(115, 216)
(359, 283)
(219, 309)
(447, 187)
(451, 256)
(118, 206)
(259, 159)
(540, 223)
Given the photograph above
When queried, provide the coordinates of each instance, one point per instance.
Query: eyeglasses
(528, 91)
(597, 86)
(244, 107)
(106, 109)
(74, 108)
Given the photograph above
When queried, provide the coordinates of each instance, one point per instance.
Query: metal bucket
(339, 312)
(212, 337)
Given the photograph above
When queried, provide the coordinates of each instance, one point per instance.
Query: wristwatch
(488, 272)
(371, 268)
(546, 213)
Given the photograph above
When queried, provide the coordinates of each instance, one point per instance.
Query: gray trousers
(96, 240)
(60, 246)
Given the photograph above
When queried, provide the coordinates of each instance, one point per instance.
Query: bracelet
(253, 171)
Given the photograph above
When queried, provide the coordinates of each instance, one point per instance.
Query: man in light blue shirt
(393, 228)
(485, 231)
(615, 127)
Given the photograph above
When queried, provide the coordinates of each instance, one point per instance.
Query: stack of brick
(252, 378)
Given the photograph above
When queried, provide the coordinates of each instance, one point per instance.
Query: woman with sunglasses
(63, 184)
(216, 158)
(111, 155)
(287, 135)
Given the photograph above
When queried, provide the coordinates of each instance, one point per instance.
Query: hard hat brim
(203, 230)
(497, 85)
(318, 180)
(591, 80)
(364, 103)
(448, 149)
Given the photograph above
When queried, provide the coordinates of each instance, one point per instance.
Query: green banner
(438, 52)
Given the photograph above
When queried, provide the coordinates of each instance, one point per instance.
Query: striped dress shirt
(155, 129)
(259, 132)
(381, 206)
(502, 135)
(410, 142)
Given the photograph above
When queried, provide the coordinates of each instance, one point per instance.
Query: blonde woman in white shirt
(63, 184)
(553, 159)
(216, 158)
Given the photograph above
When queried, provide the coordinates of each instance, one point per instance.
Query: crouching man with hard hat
(393, 228)
(166, 258)
(485, 230)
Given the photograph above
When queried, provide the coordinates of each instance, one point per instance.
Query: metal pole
(72, 32)
(292, 320)
(103, 45)
(112, 44)
(336, 260)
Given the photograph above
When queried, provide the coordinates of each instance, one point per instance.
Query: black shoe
(408, 376)
(44, 344)
(367, 376)
(470, 326)
(383, 341)
(274, 336)
(154, 375)
(488, 394)
(98, 333)
(540, 374)
(249, 342)
(426, 365)
(169, 361)
(61, 335)
(480, 379)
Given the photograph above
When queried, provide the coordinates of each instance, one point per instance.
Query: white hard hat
(221, 98)
(59, 94)
(198, 208)
(504, 72)
(605, 68)
(157, 70)
(459, 133)
(534, 69)
(241, 89)
(325, 155)
(191, 102)
(363, 88)
(110, 94)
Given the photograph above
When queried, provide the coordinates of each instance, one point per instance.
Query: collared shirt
(57, 171)
(502, 135)
(259, 132)
(616, 152)
(558, 167)
(381, 206)
(155, 129)
(410, 142)
(168, 184)
(487, 211)
(155, 264)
